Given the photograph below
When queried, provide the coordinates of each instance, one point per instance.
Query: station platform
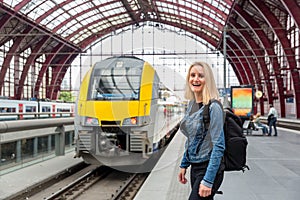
(19, 180)
(274, 171)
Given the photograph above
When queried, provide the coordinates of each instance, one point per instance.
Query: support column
(60, 141)
(35, 146)
(49, 143)
(18, 151)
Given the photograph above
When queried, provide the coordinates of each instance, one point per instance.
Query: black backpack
(235, 142)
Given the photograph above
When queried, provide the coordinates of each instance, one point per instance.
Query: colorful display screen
(242, 100)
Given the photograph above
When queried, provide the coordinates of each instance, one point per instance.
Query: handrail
(10, 126)
(37, 114)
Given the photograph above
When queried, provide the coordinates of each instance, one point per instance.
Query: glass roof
(78, 20)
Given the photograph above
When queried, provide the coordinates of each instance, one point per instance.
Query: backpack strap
(206, 115)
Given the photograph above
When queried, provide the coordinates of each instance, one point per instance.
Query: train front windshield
(116, 79)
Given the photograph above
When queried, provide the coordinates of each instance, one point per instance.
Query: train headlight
(136, 121)
(90, 121)
(130, 121)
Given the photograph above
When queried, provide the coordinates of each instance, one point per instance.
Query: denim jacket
(202, 145)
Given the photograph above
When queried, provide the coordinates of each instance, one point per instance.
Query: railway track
(108, 184)
(87, 182)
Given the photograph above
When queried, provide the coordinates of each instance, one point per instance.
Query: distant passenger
(258, 123)
(204, 149)
(272, 119)
(251, 124)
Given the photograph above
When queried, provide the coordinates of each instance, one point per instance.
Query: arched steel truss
(263, 45)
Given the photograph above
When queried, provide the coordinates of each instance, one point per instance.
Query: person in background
(272, 119)
(204, 149)
(257, 121)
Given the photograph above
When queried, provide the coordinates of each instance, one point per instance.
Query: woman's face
(196, 79)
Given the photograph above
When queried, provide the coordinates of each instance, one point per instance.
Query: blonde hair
(210, 90)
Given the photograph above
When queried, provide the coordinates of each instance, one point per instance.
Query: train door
(53, 110)
(21, 111)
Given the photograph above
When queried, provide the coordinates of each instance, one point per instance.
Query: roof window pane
(52, 16)
(63, 17)
(58, 1)
(12, 3)
(40, 9)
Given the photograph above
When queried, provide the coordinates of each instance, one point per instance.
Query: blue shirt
(203, 145)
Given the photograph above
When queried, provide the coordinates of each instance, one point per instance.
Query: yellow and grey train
(122, 115)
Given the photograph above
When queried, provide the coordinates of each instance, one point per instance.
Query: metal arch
(19, 6)
(293, 8)
(258, 56)
(245, 63)
(250, 43)
(77, 15)
(237, 52)
(88, 40)
(9, 56)
(235, 69)
(37, 27)
(55, 73)
(251, 66)
(114, 27)
(144, 9)
(289, 52)
(152, 8)
(30, 60)
(94, 37)
(239, 64)
(46, 14)
(46, 65)
(4, 20)
(251, 69)
(264, 41)
(203, 26)
(129, 10)
(60, 75)
(203, 15)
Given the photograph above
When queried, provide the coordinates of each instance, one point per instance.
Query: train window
(155, 88)
(115, 82)
(46, 109)
(30, 108)
(63, 110)
(7, 109)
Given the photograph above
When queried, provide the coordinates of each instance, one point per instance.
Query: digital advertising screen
(242, 100)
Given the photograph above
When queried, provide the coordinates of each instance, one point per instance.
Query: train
(124, 115)
(25, 109)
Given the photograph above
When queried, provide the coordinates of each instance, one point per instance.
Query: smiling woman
(204, 147)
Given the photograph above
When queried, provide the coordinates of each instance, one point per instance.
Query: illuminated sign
(242, 100)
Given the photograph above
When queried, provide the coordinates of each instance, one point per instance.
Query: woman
(204, 149)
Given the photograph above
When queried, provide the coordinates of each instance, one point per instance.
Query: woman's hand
(204, 191)
(181, 176)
